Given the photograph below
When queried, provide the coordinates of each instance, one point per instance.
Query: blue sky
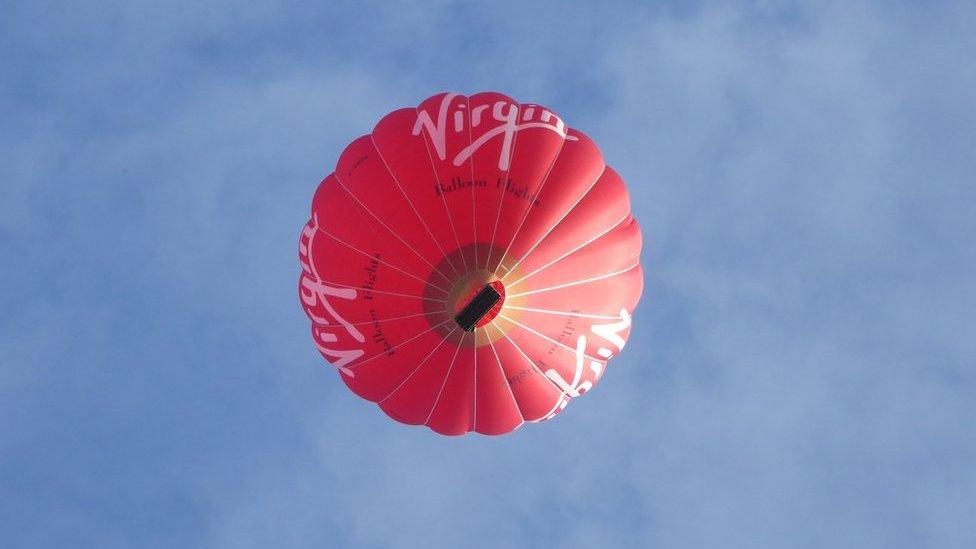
(801, 371)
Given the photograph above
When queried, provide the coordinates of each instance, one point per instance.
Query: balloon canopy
(471, 264)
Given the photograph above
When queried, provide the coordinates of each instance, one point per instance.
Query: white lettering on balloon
(329, 324)
(609, 332)
(501, 111)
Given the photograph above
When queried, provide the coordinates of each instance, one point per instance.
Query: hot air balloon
(471, 264)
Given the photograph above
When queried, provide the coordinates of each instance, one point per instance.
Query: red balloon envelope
(471, 264)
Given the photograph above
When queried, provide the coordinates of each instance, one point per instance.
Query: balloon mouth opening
(475, 300)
